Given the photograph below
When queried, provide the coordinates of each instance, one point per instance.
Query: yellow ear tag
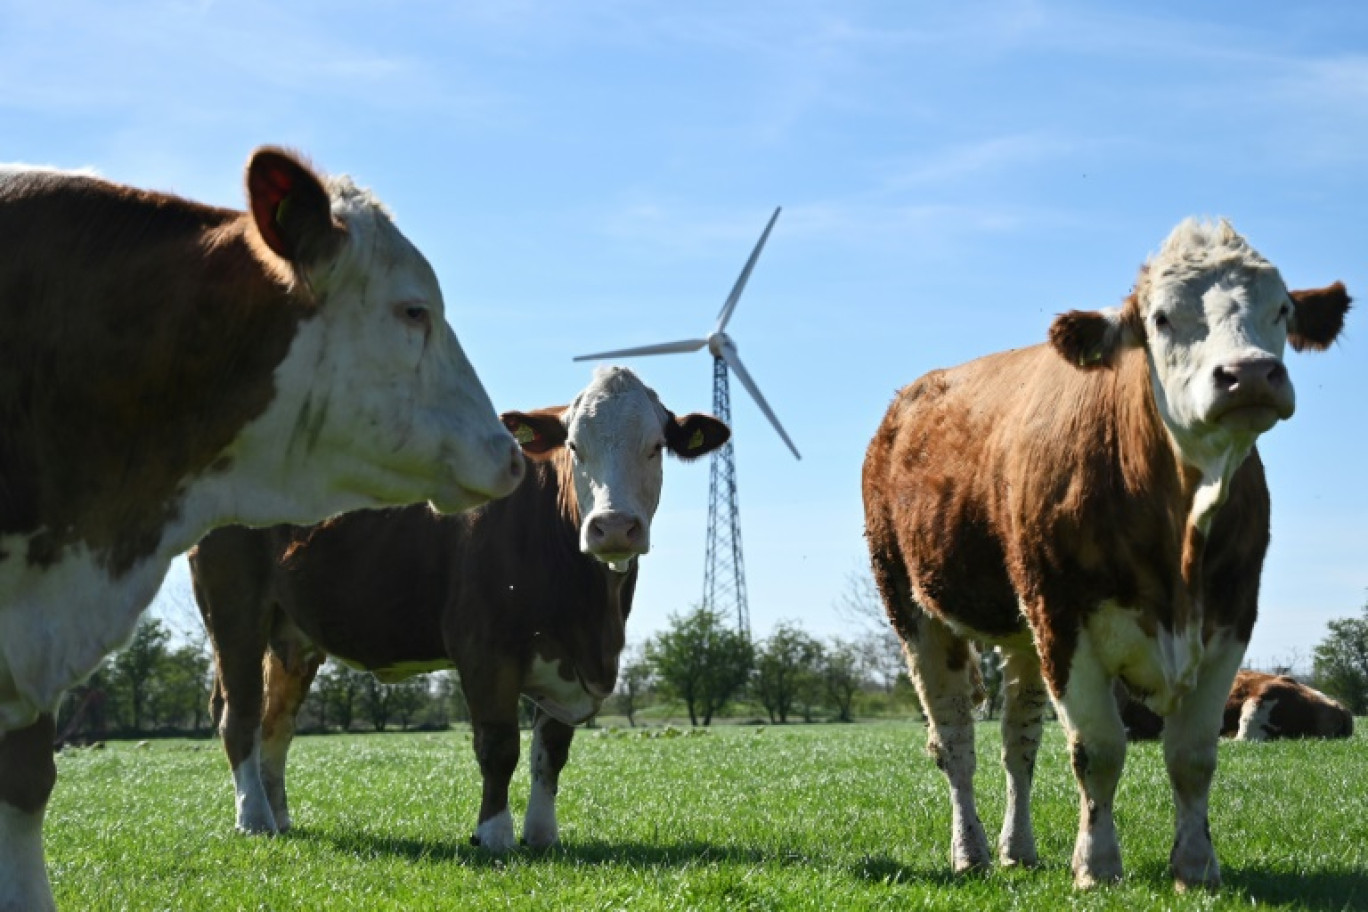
(1092, 357)
(696, 440)
(524, 434)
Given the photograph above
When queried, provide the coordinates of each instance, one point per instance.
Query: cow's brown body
(509, 595)
(1048, 501)
(1265, 707)
(167, 367)
(486, 593)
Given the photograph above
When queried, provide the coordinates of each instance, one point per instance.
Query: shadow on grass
(1324, 889)
(607, 853)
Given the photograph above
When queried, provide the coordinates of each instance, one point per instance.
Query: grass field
(811, 817)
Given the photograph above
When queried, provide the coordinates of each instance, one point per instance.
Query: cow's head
(383, 407)
(616, 432)
(1213, 317)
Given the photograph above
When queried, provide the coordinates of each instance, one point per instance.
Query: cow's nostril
(1277, 374)
(1226, 378)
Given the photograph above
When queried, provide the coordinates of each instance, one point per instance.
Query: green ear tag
(524, 434)
(696, 440)
(1092, 357)
(282, 209)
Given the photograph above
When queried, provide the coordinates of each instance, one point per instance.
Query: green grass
(818, 817)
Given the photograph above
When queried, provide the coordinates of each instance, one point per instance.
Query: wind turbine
(724, 574)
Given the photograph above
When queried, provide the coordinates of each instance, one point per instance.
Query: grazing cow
(167, 367)
(1096, 509)
(528, 595)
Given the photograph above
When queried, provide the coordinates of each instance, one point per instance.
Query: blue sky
(592, 175)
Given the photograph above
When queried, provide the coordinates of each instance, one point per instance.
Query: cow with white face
(527, 596)
(1096, 509)
(168, 367)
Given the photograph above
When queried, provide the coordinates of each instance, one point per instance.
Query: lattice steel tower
(724, 567)
(724, 572)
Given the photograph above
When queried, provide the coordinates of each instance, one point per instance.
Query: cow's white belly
(58, 622)
(565, 701)
(1118, 638)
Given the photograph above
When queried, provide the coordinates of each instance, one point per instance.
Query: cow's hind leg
(1097, 749)
(550, 751)
(1191, 733)
(1023, 715)
(945, 670)
(229, 588)
(27, 775)
(291, 664)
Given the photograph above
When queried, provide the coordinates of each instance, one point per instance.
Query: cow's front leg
(1191, 734)
(496, 749)
(1097, 750)
(27, 775)
(1023, 715)
(550, 750)
(944, 669)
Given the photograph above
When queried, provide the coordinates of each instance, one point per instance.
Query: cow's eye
(414, 314)
(1283, 313)
(570, 445)
(655, 450)
(1161, 321)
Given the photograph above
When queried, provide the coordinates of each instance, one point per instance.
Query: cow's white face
(616, 432)
(1214, 319)
(1215, 344)
(383, 406)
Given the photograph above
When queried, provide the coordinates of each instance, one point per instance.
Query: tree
(841, 676)
(634, 682)
(1340, 662)
(133, 670)
(861, 606)
(180, 688)
(701, 661)
(786, 662)
(339, 690)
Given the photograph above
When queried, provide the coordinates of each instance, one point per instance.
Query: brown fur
(1319, 317)
(141, 334)
(1019, 477)
(28, 767)
(485, 590)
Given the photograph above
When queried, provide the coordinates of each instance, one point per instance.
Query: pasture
(739, 817)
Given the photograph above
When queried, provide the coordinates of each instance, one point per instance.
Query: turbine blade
(734, 362)
(740, 286)
(664, 348)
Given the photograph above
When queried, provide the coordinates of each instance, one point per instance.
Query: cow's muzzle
(1252, 394)
(615, 537)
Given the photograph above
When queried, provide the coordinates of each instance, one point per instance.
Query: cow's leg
(550, 751)
(1023, 715)
(1191, 733)
(492, 693)
(1097, 748)
(290, 669)
(946, 674)
(27, 775)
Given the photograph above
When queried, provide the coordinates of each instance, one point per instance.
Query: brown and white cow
(1096, 509)
(1264, 707)
(1260, 707)
(528, 595)
(167, 367)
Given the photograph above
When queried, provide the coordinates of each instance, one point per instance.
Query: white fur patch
(496, 833)
(565, 701)
(23, 879)
(540, 829)
(1254, 724)
(253, 807)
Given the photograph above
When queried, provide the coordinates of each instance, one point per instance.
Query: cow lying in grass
(528, 596)
(1261, 707)
(1096, 509)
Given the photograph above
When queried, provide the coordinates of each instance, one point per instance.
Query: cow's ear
(1090, 339)
(539, 433)
(290, 207)
(1318, 317)
(694, 435)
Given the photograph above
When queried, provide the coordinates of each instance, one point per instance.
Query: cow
(527, 595)
(1264, 707)
(1096, 509)
(1260, 707)
(167, 367)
